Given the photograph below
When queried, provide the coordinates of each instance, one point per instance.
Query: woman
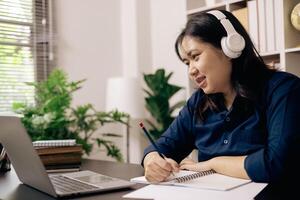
(241, 118)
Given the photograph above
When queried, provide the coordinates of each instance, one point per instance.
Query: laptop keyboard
(64, 184)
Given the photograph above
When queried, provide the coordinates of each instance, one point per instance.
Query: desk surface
(12, 189)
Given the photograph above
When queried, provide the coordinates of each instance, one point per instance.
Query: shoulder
(282, 78)
(280, 84)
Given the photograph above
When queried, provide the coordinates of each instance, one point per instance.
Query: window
(24, 49)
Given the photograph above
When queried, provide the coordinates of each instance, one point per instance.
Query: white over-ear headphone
(233, 44)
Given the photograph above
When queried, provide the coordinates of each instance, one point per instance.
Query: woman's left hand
(189, 164)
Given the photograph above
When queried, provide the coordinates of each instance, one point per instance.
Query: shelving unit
(287, 52)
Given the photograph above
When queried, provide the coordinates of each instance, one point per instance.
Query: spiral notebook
(203, 180)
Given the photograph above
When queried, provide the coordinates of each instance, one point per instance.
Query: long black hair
(249, 72)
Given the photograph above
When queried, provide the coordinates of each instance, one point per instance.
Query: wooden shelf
(221, 5)
(273, 53)
(234, 1)
(291, 50)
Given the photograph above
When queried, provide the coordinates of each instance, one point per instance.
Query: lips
(200, 81)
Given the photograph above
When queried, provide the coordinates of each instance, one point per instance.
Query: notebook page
(212, 181)
(169, 180)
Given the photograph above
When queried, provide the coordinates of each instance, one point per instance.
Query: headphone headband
(218, 14)
(224, 21)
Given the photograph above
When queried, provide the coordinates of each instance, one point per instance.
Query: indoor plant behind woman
(53, 117)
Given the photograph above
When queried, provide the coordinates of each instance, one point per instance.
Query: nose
(193, 71)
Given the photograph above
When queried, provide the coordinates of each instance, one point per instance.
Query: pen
(152, 142)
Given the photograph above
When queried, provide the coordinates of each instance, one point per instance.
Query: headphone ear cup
(227, 51)
(235, 42)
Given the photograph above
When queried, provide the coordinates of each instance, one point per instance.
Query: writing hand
(158, 169)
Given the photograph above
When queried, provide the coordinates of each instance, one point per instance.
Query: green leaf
(157, 100)
(147, 92)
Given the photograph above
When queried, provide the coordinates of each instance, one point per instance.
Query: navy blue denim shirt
(266, 131)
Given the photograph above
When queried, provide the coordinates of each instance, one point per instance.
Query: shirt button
(225, 141)
(227, 119)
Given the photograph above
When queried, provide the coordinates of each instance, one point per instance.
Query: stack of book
(59, 155)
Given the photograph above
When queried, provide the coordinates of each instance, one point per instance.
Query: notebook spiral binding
(193, 176)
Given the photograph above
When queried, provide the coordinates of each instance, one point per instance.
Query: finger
(161, 171)
(174, 164)
(156, 174)
(154, 178)
(156, 171)
(159, 162)
(191, 167)
(183, 166)
(165, 165)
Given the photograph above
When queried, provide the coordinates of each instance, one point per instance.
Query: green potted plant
(159, 93)
(52, 117)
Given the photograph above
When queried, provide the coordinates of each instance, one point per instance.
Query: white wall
(98, 39)
(157, 25)
(89, 45)
(95, 41)
(167, 20)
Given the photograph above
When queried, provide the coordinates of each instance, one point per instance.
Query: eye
(195, 57)
(186, 62)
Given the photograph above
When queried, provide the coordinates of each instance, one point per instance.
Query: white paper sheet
(164, 192)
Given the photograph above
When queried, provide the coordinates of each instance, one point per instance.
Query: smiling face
(208, 66)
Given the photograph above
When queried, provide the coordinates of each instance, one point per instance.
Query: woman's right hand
(158, 169)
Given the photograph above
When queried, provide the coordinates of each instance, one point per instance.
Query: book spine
(262, 26)
(68, 158)
(270, 27)
(278, 15)
(253, 22)
(58, 150)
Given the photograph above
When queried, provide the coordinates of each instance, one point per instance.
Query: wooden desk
(12, 189)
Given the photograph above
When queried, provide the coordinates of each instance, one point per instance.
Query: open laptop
(32, 172)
